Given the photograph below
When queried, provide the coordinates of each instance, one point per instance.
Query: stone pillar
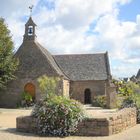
(111, 96)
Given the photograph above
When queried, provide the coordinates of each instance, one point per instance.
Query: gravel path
(8, 129)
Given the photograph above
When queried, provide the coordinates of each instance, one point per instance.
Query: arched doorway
(87, 96)
(30, 88)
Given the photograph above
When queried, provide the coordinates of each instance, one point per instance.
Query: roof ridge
(78, 54)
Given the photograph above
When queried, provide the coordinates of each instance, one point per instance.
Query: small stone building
(84, 76)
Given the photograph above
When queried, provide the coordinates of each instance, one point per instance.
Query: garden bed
(99, 126)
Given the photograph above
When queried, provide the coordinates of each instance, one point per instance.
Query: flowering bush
(57, 116)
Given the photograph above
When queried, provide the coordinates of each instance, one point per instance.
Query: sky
(81, 26)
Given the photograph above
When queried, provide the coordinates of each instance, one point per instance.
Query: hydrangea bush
(57, 116)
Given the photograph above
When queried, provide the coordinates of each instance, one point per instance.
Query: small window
(30, 30)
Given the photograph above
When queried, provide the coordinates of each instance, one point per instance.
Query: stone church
(84, 76)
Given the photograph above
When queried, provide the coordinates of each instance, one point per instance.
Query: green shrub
(27, 100)
(100, 101)
(57, 116)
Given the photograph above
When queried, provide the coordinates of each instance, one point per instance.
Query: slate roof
(35, 60)
(51, 59)
(30, 22)
(84, 66)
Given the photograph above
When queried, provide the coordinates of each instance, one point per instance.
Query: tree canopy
(8, 64)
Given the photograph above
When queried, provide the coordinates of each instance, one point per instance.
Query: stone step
(88, 105)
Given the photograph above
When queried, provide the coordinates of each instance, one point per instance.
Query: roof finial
(31, 8)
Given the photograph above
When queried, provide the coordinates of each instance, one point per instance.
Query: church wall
(77, 89)
(66, 87)
(11, 96)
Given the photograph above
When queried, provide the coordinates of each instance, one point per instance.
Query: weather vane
(31, 8)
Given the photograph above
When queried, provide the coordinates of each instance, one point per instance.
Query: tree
(48, 85)
(8, 64)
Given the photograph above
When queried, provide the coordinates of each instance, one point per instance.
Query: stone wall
(26, 124)
(11, 97)
(66, 88)
(111, 96)
(114, 124)
(77, 89)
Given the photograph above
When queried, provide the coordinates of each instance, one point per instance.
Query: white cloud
(64, 29)
(76, 13)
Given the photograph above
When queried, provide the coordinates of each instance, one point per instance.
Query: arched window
(87, 97)
(30, 88)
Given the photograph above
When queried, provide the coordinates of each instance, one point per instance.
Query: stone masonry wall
(12, 96)
(114, 124)
(77, 89)
(123, 120)
(66, 88)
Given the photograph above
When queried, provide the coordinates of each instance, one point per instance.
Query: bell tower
(30, 28)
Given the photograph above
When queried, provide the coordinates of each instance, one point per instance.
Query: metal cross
(31, 8)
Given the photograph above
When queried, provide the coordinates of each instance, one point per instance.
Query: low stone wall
(113, 124)
(123, 120)
(26, 124)
(93, 127)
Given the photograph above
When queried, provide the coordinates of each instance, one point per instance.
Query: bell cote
(30, 30)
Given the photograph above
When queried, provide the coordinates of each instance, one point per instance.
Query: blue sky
(129, 11)
(82, 26)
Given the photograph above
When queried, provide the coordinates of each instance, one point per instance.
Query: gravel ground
(8, 129)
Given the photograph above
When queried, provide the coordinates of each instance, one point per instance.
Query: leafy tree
(8, 63)
(48, 85)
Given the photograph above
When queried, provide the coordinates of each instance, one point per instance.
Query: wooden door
(30, 88)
